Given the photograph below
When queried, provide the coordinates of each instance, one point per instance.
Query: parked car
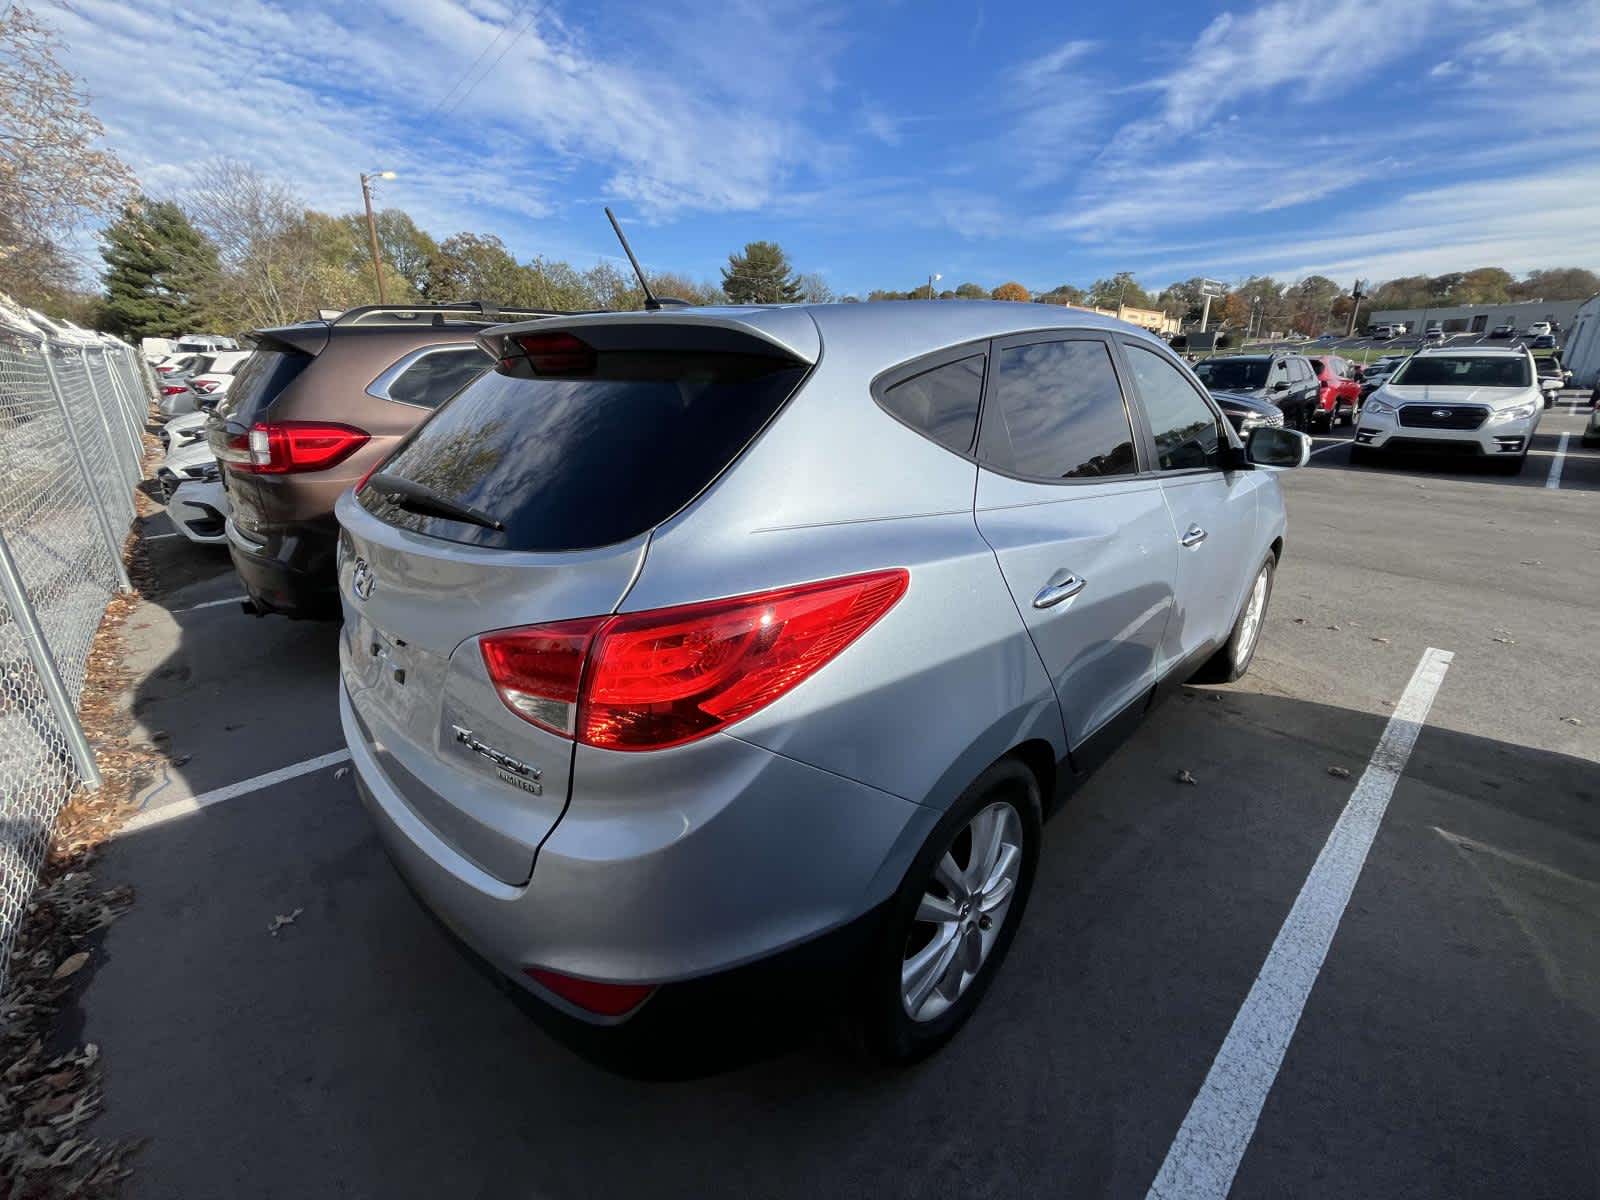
(191, 462)
(199, 509)
(183, 431)
(1545, 341)
(1539, 328)
(1246, 412)
(1481, 402)
(1433, 333)
(212, 384)
(1591, 430)
(1375, 373)
(1503, 331)
(312, 411)
(1551, 377)
(1338, 394)
(613, 772)
(1285, 379)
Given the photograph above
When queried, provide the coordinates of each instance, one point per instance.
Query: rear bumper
(290, 571)
(716, 858)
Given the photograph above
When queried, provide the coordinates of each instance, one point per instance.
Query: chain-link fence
(73, 406)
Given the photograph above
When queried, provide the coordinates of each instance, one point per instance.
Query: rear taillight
(204, 385)
(649, 680)
(172, 389)
(286, 447)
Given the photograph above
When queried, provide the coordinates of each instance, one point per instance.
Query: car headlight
(1375, 407)
(1520, 413)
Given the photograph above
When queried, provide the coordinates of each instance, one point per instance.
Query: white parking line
(151, 537)
(208, 604)
(1333, 446)
(1554, 481)
(187, 808)
(1205, 1155)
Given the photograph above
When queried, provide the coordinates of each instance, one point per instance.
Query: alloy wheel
(962, 911)
(1250, 624)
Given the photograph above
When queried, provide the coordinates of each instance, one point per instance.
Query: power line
(462, 78)
(532, 19)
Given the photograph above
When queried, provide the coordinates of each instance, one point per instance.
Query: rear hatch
(570, 454)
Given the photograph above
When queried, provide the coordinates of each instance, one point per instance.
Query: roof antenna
(650, 302)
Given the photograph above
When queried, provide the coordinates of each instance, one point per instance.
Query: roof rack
(476, 312)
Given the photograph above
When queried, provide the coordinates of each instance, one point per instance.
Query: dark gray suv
(1286, 380)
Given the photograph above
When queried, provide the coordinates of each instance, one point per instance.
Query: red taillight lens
(538, 670)
(557, 353)
(172, 389)
(602, 999)
(646, 681)
(204, 385)
(285, 447)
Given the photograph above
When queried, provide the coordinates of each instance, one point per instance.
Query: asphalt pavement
(1450, 1045)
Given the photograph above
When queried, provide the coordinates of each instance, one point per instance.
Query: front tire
(1233, 660)
(952, 921)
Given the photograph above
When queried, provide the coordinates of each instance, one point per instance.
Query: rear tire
(889, 982)
(1233, 660)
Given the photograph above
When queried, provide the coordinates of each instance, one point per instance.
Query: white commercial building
(1480, 318)
(1581, 354)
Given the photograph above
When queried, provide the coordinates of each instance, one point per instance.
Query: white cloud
(1443, 70)
(880, 125)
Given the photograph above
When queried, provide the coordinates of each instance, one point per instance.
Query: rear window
(574, 463)
(1466, 371)
(941, 403)
(258, 381)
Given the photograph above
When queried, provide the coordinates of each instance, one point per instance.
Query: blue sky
(1043, 142)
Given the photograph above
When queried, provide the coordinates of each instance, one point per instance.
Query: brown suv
(312, 411)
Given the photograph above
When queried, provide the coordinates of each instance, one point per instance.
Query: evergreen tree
(155, 262)
(761, 275)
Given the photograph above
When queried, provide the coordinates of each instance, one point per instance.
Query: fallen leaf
(1335, 628)
(1185, 777)
(1532, 562)
(279, 921)
(341, 772)
(181, 759)
(1505, 641)
(1384, 641)
(1572, 720)
(1339, 772)
(71, 965)
(1301, 621)
(160, 735)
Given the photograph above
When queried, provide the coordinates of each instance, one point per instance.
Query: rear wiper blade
(418, 497)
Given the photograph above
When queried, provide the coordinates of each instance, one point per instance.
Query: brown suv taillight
(289, 447)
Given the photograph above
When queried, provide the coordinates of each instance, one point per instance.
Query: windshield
(1465, 371)
(1233, 374)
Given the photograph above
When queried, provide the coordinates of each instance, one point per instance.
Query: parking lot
(1449, 1046)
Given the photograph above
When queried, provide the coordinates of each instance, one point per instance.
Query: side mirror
(1271, 446)
(1281, 386)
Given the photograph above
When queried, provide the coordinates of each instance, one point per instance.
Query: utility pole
(1356, 295)
(372, 226)
(932, 279)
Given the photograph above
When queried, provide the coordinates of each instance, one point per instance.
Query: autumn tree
(1009, 291)
(1063, 293)
(157, 264)
(814, 288)
(760, 275)
(53, 175)
(972, 291)
(1121, 289)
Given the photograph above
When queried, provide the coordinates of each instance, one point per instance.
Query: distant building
(1479, 318)
(1581, 354)
(1153, 319)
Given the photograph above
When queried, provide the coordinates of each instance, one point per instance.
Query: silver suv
(685, 638)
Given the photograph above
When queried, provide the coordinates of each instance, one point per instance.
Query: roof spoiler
(789, 332)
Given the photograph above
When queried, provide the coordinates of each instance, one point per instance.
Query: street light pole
(372, 226)
(932, 279)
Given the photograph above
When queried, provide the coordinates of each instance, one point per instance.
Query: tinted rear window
(1233, 374)
(258, 381)
(573, 463)
(1057, 413)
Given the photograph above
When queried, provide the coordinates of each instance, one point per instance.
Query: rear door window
(1056, 411)
(942, 403)
(586, 461)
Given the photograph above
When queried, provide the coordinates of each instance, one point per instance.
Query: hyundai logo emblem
(362, 580)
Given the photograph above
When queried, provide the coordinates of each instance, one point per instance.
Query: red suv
(1338, 395)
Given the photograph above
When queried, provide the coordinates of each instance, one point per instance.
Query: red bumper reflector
(602, 999)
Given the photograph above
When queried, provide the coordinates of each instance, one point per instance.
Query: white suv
(1480, 402)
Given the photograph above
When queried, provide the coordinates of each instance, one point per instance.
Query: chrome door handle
(1194, 537)
(1063, 585)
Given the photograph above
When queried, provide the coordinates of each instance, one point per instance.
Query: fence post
(44, 663)
(113, 546)
(124, 410)
(100, 403)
